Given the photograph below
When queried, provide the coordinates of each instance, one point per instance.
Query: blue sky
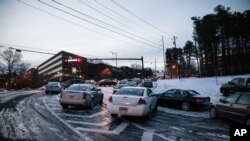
(28, 27)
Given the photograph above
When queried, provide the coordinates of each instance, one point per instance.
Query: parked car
(147, 83)
(184, 99)
(235, 107)
(106, 82)
(53, 87)
(91, 81)
(67, 83)
(81, 95)
(132, 101)
(124, 81)
(118, 87)
(236, 85)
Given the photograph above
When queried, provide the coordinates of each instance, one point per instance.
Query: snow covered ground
(209, 86)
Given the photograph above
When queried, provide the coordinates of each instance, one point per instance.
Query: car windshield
(53, 84)
(130, 91)
(78, 87)
(148, 84)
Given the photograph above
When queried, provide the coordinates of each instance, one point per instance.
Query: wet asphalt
(40, 117)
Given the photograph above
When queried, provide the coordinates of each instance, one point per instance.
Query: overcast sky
(102, 26)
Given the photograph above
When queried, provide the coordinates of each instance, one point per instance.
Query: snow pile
(209, 86)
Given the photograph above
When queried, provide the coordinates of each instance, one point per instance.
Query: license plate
(123, 109)
(71, 97)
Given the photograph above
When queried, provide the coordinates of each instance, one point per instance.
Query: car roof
(134, 87)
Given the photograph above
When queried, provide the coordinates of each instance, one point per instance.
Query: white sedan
(132, 101)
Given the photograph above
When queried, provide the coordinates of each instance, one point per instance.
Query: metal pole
(116, 58)
(142, 67)
(164, 63)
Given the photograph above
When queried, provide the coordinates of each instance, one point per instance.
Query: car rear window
(130, 91)
(53, 84)
(78, 87)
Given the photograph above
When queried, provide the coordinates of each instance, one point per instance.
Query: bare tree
(11, 63)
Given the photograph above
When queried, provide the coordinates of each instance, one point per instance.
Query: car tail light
(199, 100)
(84, 95)
(141, 101)
(110, 99)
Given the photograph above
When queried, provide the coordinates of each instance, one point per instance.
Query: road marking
(121, 127)
(147, 136)
(81, 116)
(116, 131)
(2, 111)
(88, 123)
(96, 130)
(68, 125)
(152, 131)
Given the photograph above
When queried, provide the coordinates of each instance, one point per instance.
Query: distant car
(184, 99)
(53, 87)
(235, 107)
(91, 81)
(67, 83)
(137, 80)
(106, 82)
(132, 101)
(147, 83)
(131, 83)
(124, 81)
(236, 85)
(118, 87)
(81, 95)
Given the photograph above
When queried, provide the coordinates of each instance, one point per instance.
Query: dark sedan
(235, 107)
(184, 99)
(106, 82)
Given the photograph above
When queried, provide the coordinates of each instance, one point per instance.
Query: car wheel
(148, 116)
(156, 107)
(91, 105)
(213, 113)
(46, 92)
(101, 101)
(185, 106)
(64, 106)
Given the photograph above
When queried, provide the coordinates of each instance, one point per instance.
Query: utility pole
(178, 71)
(174, 42)
(155, 67)
(164, 63)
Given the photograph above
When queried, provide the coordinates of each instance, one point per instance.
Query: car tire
(148, 116)
(91, 104)
(156, 107)
(185, 106)
(64, 106)
(101, 101)
(113, 115)
(213, 113)
(46, 92)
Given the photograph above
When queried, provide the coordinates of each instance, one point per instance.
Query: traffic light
(78, 61)
(66, 61)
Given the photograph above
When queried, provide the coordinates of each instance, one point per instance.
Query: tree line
(220, 46)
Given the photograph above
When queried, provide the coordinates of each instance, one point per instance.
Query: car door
(97, 94)
(179, 97)
(241, 108)
(152, 99)
(167, 98)
(225, 108)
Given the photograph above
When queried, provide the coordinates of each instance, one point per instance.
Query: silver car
(81, 95)
(53, 87)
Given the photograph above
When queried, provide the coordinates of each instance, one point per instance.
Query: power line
(141, 19)
(97, 24)
(118, 15)
(100, 21)
(65, 20)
